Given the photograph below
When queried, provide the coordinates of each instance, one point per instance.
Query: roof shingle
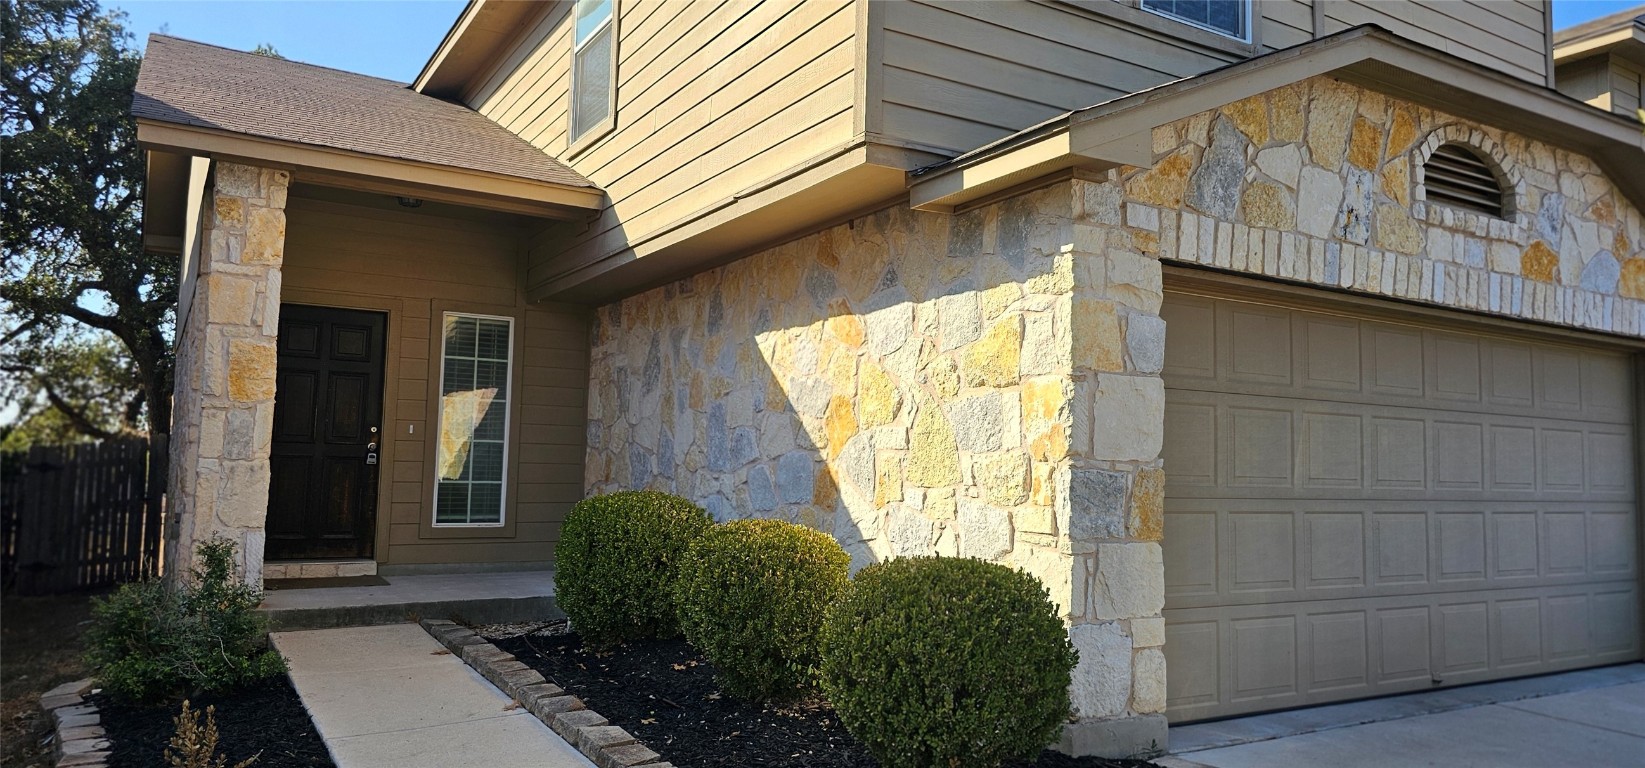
(196, 84)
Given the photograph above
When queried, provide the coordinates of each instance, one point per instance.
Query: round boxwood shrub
(947, 662)
(753, 595)
(616, 562)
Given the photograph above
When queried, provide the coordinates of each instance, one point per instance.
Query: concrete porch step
(475, 598)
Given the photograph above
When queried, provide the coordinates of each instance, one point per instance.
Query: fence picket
(80, 517)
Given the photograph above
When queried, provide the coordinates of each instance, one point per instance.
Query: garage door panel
(1358, 507)
(1331, 650)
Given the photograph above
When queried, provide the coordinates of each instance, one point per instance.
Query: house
(1602, 62)
(1295, 346)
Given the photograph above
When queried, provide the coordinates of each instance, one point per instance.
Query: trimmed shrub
(947, 662)
(616, 560)
(752, 597)
(150, 640)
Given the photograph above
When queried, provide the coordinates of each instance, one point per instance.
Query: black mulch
(664, 694)
(266, 719)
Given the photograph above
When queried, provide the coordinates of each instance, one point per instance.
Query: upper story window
(593, 68)
(1456, 175)
(1226, 17)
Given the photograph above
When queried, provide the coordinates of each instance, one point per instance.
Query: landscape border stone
(79, 740)
(606, 745)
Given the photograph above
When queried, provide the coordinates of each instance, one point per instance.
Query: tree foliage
(71, 176)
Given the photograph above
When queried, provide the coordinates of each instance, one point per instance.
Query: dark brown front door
(328, 407)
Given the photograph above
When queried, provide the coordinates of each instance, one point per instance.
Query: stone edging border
(78, 737)
(607, 745)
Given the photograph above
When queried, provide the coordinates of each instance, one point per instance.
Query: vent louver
(1456, 176)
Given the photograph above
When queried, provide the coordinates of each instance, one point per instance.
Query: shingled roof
(206, 86)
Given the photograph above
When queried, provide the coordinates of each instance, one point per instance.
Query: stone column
(1115, 480)
(223, 400)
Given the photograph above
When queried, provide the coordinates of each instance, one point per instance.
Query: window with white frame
(472, 456)
(1226, 17)
(593, 67)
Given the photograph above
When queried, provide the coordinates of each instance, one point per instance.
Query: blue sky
(392, 38)
(386, 38)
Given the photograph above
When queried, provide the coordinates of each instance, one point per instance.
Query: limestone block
(265, 236)
(1539, 262)
(933, 451)
(236, 179)
(251, 370)
(910, 534)
(1269, 206)
(1130, 581)
(1148, 681)
(1097, 503)
(1102, 678)
(888, 327)
(994, 359)
(1099, 202)
(1135, 281)
(1319, 195)
(1127, 418)
(1164, 185)
(1147, 518)
(1397, 231)
(978, 422)
(1329, 115)
(1365, 144)
(228, 211)
(985, 530)
(1282, 164)
(1145, 342)
(1003, 477)
(1602, 273)
(796, 477)
(1354, 219)
(1214, 188)
(959, 318)
(1148, 633)
(242, 494)
(1096, 343)
(1250, 116)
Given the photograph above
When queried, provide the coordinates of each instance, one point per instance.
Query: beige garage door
(1361, 506)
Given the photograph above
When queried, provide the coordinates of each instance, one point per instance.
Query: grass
(40, 648)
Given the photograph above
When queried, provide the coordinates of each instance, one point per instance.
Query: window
(1227, 17)
(593, 64)
(472, 454)
(1457, 176)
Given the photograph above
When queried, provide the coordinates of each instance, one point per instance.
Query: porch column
(223, 397)
(1115, 489)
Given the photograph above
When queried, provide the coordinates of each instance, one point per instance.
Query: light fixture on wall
(410, 202)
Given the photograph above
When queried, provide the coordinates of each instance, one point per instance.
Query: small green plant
(947, 662)
(752, 598)
(616, 563)
(195, 745)
(151, 639)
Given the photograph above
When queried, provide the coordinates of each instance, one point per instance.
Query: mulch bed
(664, 694)
(267, 720)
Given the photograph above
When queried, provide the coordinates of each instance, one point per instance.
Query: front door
(328, 407)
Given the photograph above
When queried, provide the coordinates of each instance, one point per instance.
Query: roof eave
(1119, 132)
(1627, 42)
(333, 167)
(472, 43)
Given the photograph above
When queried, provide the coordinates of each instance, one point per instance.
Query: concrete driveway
(1590, 718)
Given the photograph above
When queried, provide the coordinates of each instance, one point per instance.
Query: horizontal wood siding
(1626, 93)
(713, 98)
(1508, 35)
(347, 254)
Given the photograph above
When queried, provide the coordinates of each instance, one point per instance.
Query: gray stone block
(50, 703)
(567, 723)
(626, 756)
(1126, 737)
(549, 708)
(593, 739)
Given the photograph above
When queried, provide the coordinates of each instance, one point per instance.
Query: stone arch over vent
(1481, 146)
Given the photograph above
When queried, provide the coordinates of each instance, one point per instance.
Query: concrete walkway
(1602, 724)
(391, 696)
(481, 598)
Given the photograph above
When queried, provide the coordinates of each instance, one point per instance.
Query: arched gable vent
(1456, 175)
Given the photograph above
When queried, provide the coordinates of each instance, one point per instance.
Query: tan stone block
(1330, 118)
(1035, 519)
(1288, 119)
(1148, 633)
(1099, 344)
(1148, 681)
(943, 376)
(1397, 231)
(992, 360)
(1540, 263)
(844, 324)
(887, 479)
(933, 451)
(1269, 206)
(1402, 131)
(251, 370)
(1365, 144)
(1147, 518)
(230, 211)
(229, 300)
(1396, 181)
(319, 570)
(878, 399)
(940, 504)
(1003, 477)
(1043, 488)
(840, 425)
(1130, 581)
(1250, 116)
(1632, 284)
(265, 237)
(1165, 183)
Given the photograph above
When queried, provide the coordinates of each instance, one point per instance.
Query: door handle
(371, 454)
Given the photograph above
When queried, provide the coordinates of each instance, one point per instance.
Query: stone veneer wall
(987, 384)
(223, 398)
(906, 382)
(1321, 182)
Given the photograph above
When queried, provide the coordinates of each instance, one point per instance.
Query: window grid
(1224, 17)
(472, 443)
(591, 65)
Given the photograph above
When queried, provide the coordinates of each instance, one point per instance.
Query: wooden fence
(83, 516)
